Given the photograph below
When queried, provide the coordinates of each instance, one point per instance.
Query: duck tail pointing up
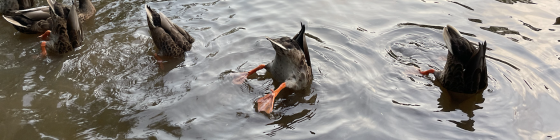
(149, 14)
(300, 39)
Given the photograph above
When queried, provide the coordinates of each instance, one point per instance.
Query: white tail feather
(276, 43)
(12, 21)
(149, 13)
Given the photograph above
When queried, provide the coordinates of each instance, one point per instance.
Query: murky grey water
(365, 58)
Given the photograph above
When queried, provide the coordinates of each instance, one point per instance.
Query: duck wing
(160, 28)
(175, 32)
(26, 17)
(164, 42)
(37, 13)
(74, 27)
(59, 37)
(184, 33)
(476, 69)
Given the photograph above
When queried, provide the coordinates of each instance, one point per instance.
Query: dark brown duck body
(65, 33)
(465, 70)
(291, 64)
(168, 37)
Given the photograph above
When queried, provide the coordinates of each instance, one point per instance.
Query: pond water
(365, 56)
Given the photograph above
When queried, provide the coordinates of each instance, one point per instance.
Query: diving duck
(170, 39)
(36, 20)
(10, 5)
(291, 66)
(66, 30)
(464, 73)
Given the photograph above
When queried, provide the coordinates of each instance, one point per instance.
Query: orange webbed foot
(427, 72)
(45, 36)
(266, 103)
(43, 48)
(240, 78)
(159, 60)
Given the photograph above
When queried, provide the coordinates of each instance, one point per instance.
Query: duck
(465, 72)
(170, 39)
(10, 5)
(291, 67)
(66, 30)
(30, 21)
(37, 20)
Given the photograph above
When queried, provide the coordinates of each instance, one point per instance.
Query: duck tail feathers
(149, 14)
(300, 39)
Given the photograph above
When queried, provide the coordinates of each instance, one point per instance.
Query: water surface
(365, 56)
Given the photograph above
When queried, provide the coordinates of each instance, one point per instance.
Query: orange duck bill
(266, 103)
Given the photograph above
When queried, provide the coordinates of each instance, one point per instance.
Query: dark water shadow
(287, 100)
(467, 106)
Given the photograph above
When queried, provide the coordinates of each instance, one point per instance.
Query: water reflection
(166, 126)
(113, 88)
(27, 132)
(416, 50)
(462, 5)
(516, 1)
(505, 31)
(287, 121)
(433, 27)
(286, 101)
(467, 106)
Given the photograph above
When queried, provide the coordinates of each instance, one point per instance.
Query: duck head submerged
(291, 48)
(465, 71)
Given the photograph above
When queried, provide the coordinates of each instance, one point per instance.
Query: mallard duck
(465, 70)
(66, 33)
(170, 39)
(11, 5)
(30, 21)
(36, 20)
(291, 66)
